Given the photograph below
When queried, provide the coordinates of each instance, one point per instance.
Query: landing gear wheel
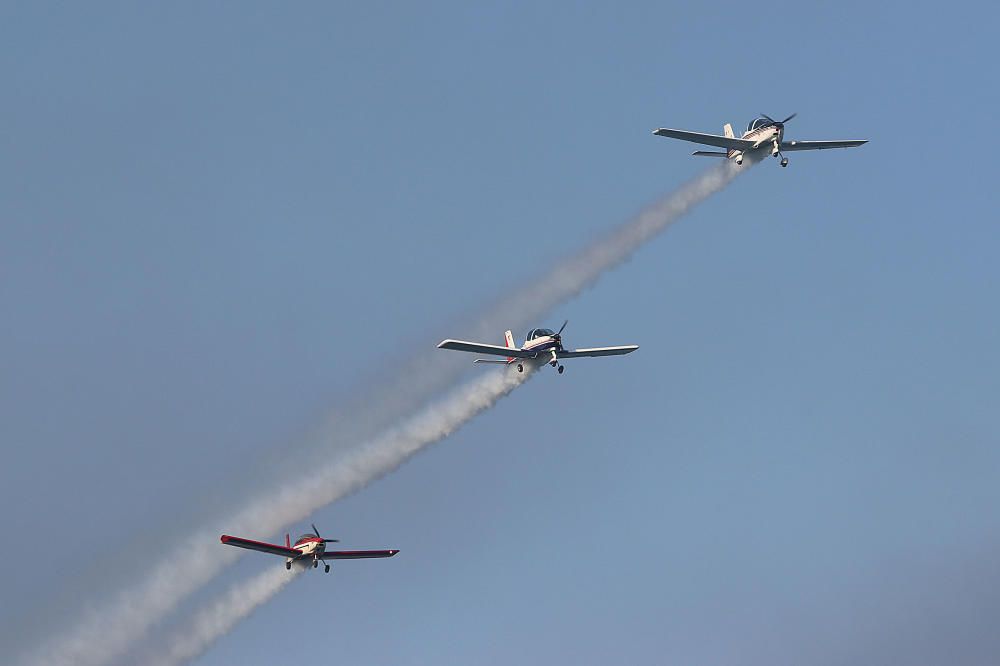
(784, 161)
(315, 563)
(326, 568)
(520, 368)
(288, 565)
(561, 368)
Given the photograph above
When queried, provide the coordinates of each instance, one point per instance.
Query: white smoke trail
(217, 618)
(329, 484)
(102, 638)
(106, 633)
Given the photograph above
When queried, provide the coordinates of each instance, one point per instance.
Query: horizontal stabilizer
(710, 153)
(489, 360)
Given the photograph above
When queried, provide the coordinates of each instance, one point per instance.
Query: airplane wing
(707, 139)
(480, 348)
(820, 145)
(272, 548)
(356, 554)
(597, 351)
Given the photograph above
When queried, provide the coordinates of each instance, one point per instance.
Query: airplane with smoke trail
(540, 343)
(763, 134)
(308, 548)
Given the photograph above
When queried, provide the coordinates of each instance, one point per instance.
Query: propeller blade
(767, 117)
(315, 531)
(330, 540)
(559, 332)
(788, 118)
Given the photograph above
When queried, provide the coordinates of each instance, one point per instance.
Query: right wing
(480, 348)
(356, 554)
(597, 351)
(707, 139)
(272, 548)
(821, 145)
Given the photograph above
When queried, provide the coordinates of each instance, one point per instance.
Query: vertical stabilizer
(728, 130)
(508, 339)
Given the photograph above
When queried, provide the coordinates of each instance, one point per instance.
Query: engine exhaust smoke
(107, 632)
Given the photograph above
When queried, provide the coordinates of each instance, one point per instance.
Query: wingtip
(225, 538)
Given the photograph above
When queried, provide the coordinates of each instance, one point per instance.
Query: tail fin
(728, 130)
(288, 542)
(508, 338)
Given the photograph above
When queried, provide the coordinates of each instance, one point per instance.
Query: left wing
(272, 548)
(356, 554)
(597, 351)
(730, 143)
(480, 348)
(821, 145)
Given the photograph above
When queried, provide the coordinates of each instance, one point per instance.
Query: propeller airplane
(540, 343)
(763, 134)
(308, 548)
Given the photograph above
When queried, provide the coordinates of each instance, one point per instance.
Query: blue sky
(220, 222)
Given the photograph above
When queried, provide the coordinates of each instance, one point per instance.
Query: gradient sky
(219, 221)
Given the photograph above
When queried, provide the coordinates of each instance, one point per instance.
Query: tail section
(508, 339)
(288, 541)
(727, 129)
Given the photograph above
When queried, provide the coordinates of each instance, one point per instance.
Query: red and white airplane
(307, 548)
(541, 343)
(763, 134)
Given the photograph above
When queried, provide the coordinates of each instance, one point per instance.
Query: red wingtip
(225, 538)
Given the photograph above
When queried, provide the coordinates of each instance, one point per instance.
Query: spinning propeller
(558, 336)
(316, 532)
(779, 123)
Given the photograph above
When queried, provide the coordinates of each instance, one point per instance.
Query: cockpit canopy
(757, 123)
(539, 333)
(304, 537)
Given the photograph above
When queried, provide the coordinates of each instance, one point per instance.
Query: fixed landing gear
(315, 563)
(561, 368)
(288, 565)
(784, 161)
(326, 568)
(520, 367)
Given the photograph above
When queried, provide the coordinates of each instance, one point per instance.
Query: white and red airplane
(541, 343)
(310, 547)
(763, 134)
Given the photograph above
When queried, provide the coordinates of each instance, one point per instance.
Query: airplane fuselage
(766, 139)
(310, 547)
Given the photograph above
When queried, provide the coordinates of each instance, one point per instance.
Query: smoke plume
(359, 456)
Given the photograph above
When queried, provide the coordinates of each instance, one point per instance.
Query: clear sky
(220, 221)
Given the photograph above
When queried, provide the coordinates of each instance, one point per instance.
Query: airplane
(763, 134)
(539, 343)
(307, 548)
